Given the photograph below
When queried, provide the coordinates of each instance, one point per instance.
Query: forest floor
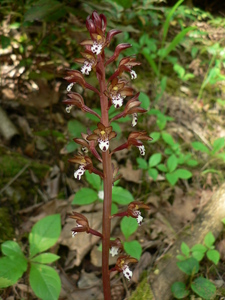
(37, 179)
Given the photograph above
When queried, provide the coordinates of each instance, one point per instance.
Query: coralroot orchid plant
(111, 92)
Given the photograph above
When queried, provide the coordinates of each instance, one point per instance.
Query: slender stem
(106, 224)
(107, 171)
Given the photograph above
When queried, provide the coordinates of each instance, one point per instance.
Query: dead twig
(14, 178)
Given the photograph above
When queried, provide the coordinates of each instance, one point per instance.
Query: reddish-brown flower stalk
(111, 92)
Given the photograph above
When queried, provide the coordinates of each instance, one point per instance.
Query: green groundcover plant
(43, 279)
(189, 264)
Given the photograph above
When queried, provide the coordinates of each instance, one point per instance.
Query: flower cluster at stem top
(114, 94)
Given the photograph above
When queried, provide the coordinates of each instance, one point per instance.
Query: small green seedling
(189, 264)
(176, 158)
(44, 280)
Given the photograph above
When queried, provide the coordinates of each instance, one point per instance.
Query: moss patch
(143, 291)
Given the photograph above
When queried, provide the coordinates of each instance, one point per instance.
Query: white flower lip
(78, 174)
(141, 149)
(69, 87)
(127, 272)
(114, 251)
(68, 108)
(96, 48)
(74, 232)
(139, 219)
(101, 195)
(117, 101)
(103, 145)
(134, 120)
(133, 74)
(86, 69)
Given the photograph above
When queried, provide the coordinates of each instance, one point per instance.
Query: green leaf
(223, 220)
(172, 178)
(85, 196)
(218, 144)
(168, 19)
(124, 3)
(152, 172)
(11, 248)
(121, 196)
(5, 41)
(94, 180)
(185, 249)
(203, 287)
(221, 155)
(199, 247)
(180, 70)
(133, 248)
(128, 226)
(114, 209)
(175, 42)
(45, 282)
(209, 240)
(42, 9)
(44, 234)
(145, 102)
(161, 90)
(93, 117)
(45, 258)
(190, 266)
(182, 173)
(71, 146)
(172, 163)
(213, 255)
(155, 136)
(5, 282)
(161, 121)
(154, 160)
(150, 60)
(200, 147)
(192, 162)
(188, 76)
(75, 128)
(11, 270)
(181, 257)
(179, 290)
(168, 138)
(198, 251)
(116, 128)
(162, 168)
(142, 164)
